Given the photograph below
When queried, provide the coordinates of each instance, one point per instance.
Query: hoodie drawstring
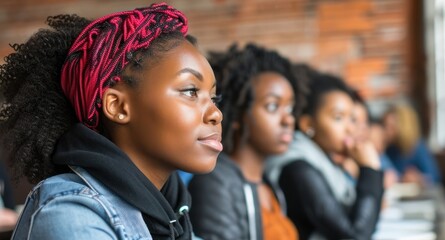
(172, 229)
(184, 212)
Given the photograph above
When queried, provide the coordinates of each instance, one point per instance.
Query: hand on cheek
(363, 152)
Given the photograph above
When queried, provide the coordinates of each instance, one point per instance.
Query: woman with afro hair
(101, 114)
(261, 97)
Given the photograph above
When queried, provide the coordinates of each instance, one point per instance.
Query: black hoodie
(85, 148)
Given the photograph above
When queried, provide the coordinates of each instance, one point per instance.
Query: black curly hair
(35, 112)
(233, 71)
(321, 84)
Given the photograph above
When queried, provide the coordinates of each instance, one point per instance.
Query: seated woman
(406, 149)
(102, 113)
(322, 201)
(367, 129)
(259, 107)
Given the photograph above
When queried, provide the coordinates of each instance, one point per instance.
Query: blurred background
(390, 50)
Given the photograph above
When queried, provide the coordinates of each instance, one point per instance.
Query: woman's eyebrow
(195, 73)
(271, 95)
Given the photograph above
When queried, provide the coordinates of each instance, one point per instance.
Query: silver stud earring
(310, 132)
(121, 116)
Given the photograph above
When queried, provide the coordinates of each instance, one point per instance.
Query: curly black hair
(321, 84)
(35, 112)
(233, 71)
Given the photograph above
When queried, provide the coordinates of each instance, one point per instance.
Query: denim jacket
(77, 206)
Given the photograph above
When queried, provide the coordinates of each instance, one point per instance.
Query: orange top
(276, 225)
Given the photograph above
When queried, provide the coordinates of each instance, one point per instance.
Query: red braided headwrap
(99, 53)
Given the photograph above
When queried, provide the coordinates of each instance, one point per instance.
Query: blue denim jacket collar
(80, 187)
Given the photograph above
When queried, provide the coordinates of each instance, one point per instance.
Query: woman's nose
(213, 115)
(351, 127)
(288, 119)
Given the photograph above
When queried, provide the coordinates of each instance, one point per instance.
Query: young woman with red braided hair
(104, 112)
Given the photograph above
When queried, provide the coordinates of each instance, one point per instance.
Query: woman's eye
(338, 117)
(216, 99)
(190, 92)
(353, 120)
(272, 107)
(289, 109)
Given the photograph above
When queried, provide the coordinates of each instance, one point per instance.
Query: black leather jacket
(224, 204)
(312, 206)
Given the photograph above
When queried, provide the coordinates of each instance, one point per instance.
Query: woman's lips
(286, 137)
(212, 141)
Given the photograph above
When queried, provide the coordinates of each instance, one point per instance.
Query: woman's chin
(202, 168)
(279, 149)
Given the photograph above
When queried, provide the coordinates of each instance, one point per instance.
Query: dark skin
(270, 123)
(169, 121)
(334, 128)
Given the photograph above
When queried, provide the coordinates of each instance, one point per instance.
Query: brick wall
(365, 41)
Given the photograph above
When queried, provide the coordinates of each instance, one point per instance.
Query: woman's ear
(305, 123)
(115, 106)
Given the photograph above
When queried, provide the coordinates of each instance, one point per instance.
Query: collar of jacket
(101, 158)
(250, 191)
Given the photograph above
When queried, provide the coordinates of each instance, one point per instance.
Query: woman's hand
(364, 153)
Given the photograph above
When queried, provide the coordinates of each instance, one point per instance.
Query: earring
(310, 132)
(121, 116)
